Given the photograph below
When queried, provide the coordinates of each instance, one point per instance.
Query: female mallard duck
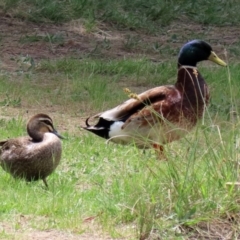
(33, 157)
(162, 114)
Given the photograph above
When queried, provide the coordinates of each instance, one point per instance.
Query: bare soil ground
(49, 41)
(24, 231)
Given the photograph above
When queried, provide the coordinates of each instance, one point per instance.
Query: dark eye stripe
(48, 122)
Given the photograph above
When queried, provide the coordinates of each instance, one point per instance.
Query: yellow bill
(214, 58)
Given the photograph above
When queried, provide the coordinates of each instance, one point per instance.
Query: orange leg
(159, 151)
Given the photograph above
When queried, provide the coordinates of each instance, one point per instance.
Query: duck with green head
(162, 114)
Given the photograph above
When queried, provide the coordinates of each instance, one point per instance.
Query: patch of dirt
(21, 229)
(48, 41)
(219, 229)
(59, 235)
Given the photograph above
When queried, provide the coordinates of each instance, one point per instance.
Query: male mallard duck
(33, 157)
(162, 114)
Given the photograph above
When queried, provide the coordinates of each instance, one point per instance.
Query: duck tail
(101, 129)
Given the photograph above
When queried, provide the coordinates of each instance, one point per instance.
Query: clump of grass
(133, 15)
(114, 68)
(125, 191)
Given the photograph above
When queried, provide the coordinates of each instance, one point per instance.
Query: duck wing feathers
(133, 108)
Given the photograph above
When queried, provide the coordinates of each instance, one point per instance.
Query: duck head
(40, 124)
(195, 51)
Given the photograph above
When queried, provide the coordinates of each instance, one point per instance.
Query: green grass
(128, 193)
(126, 14)
(93, 81)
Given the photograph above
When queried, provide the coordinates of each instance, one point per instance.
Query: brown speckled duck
(162, 114)
(34, 157)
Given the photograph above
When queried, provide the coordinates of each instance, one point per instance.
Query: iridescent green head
(196, 51)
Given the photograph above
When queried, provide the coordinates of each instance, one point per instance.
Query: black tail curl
(86, 122)
(101, 129)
